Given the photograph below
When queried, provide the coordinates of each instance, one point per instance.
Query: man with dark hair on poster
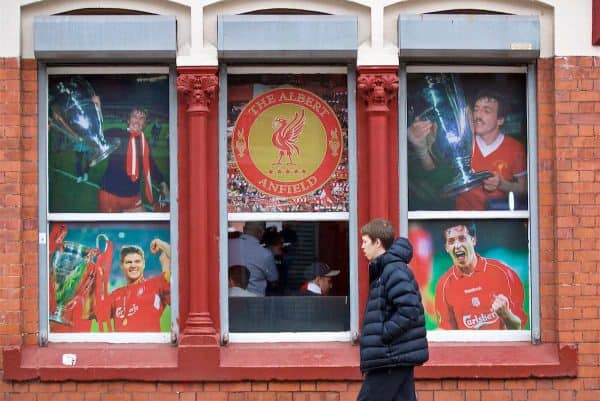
(139, 305)
(493, 151)
(120, 186)
(393, 339)
(476, 293)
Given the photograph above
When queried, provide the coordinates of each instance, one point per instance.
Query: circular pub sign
(287, 142)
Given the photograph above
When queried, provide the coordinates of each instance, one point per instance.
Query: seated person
(246, 250)
(319, 283)
(238, 281)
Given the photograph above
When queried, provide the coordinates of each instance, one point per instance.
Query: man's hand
(492, 183)
(501, 306)
(158, 245)
(421, 134)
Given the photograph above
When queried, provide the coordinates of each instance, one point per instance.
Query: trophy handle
(101, 298)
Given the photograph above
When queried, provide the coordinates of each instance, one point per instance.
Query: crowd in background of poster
(108, 152)
(108, 143)
(287, 151)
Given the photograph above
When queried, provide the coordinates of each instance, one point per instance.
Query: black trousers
(394, 384)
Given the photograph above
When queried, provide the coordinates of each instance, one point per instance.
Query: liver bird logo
(285, 136)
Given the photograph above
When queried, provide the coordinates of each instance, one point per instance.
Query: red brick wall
(18, 201)
(569, 195)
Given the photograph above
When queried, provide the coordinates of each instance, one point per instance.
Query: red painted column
(378, 87)
(377, 154)
(199, 87)
(596, 22)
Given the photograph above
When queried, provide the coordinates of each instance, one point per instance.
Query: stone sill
(277, 361)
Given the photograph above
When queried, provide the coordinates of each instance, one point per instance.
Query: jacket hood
(400, 251)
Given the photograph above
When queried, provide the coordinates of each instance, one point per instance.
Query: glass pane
(108, 143)
(473, 275)
(288, 276)
(108, 277)
(467, 141)
(287, 143)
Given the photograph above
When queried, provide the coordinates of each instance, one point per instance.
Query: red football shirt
(138, 307)
(464, 302)
(507, 161)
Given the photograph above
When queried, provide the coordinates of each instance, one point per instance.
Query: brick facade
(569, 195)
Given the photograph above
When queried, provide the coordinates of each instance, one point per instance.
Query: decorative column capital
(198, 90)
(378, 90)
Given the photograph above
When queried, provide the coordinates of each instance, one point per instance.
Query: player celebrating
(139, 305)
(477, 292)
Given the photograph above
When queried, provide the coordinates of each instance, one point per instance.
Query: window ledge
(277, 361)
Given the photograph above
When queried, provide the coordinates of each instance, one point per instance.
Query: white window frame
(531, 214)
(350, 216)
(46, 218)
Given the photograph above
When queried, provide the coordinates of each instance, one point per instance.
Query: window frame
(531, 214)
(45, 217)
(351, 216)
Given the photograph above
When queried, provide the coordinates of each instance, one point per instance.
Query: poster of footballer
(467, 141)
(109, 277)
(287, 143)
(473, 274)
(108, 143)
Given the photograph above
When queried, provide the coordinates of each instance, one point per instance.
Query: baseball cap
(317, 269)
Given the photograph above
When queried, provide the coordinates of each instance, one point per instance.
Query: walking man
(393, 339)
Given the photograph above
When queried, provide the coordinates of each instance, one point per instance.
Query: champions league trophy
(75, 277)
(75, 111)
(454, 142)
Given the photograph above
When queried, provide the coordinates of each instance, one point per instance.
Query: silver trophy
(76, 273)
(68, 272)
(74, 110)
(454, 142)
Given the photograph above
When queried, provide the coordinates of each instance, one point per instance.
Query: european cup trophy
(69, 273)
(454, 142)
(77, 280)
(74, 110)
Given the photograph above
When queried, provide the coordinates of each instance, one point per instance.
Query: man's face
(370, 248)
(133, 266)
(485, 117)
(324, 284)
(137, 120)
(460, 245)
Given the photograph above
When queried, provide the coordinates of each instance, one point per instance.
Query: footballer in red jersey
(138, 306)
(495, 152)
(477, 293)
(501, 155)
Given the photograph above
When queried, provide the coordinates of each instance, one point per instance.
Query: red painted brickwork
(569, 198)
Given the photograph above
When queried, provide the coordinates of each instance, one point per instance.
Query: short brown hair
(380, 229)
(468, 224)
(129, 249)
(239, 275)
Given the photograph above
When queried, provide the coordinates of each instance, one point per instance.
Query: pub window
(467, 175)
(287, 191)
(106, 255)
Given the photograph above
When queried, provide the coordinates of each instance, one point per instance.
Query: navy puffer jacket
(393, 332)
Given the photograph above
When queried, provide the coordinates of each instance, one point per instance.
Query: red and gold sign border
(263, 102)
